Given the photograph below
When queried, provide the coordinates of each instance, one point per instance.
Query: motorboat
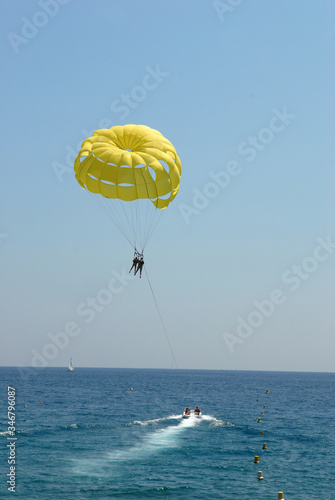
(188, 413)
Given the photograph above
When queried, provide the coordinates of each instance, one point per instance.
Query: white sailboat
(70, 368)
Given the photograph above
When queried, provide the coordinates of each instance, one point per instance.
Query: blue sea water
(92, 437)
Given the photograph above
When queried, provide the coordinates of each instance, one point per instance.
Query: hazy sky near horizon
(242, 262)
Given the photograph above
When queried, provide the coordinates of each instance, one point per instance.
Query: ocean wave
(55, 429)
(216, 422)
(17, 431)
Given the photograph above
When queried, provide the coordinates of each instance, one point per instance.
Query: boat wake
(155, 421)
(154, 442)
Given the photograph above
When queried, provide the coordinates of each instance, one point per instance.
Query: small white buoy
(280, 495)
(260, 475)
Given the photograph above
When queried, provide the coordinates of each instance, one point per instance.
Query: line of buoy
(256, 459)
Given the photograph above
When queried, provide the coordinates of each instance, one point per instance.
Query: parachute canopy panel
(129, 162)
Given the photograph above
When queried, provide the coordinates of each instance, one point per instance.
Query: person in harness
(135, 262)
(140, 265)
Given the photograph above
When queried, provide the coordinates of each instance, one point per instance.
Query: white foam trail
(156, 420)
(155, 441)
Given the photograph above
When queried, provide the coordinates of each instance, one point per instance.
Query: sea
(102, 433)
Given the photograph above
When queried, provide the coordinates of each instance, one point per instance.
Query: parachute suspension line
(106, 208)
(143, 231)
(133, 220)
(129, 220)
(117, 220)
(166, 335)
(139, 221)
(153, 225)
(145, 220)
(149, 220)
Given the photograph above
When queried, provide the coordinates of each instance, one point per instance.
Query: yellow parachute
(130, 163)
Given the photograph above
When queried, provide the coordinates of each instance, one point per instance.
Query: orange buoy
(261, 433)
(264, 446)
(259, 419)
(256, 461)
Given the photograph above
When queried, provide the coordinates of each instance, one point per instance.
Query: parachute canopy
(129, 162)
(133, 172)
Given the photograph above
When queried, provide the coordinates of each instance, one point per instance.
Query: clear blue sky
(245, 92)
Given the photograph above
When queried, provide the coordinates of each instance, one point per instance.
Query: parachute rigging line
(130, 225)
(167, 337)
(107, 209)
